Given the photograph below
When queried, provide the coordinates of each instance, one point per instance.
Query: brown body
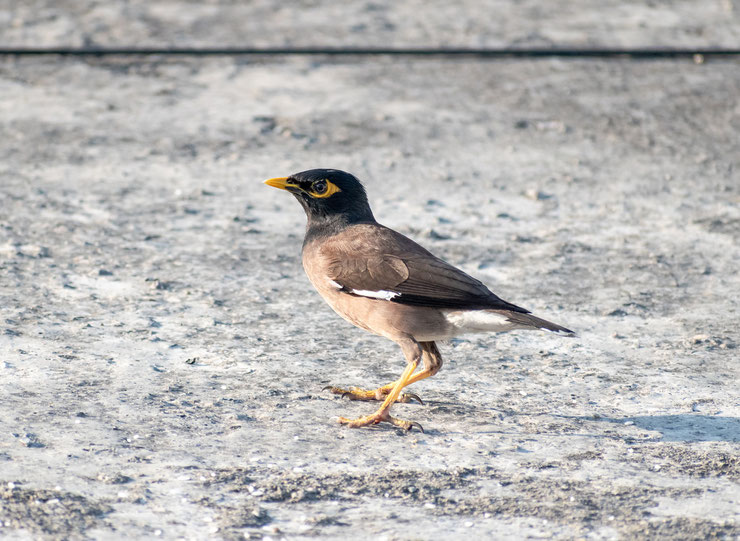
(378, 316)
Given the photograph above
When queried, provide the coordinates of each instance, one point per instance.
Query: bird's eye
(319, 187)
(323, 188)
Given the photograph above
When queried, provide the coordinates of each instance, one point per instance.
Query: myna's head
(327, 194)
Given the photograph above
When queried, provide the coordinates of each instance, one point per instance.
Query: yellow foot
(380, 417)
(355, 393)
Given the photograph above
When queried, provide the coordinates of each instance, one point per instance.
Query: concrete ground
(364, 23)
(163, 354)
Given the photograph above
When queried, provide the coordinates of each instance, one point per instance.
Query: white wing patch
(382, 294)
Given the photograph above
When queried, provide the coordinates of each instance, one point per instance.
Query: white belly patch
(472, 321)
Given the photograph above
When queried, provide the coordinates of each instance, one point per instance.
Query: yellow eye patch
(323, 188)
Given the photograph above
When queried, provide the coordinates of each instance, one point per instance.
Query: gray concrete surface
(378, 23)
(163, 355)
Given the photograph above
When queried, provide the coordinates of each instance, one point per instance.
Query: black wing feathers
(375, 258)
(435, 283)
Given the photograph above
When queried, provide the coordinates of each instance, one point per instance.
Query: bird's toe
(381, 416)
(409, 397)
(379, 394)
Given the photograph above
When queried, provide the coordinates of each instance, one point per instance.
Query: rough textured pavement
(162, 353)
(375, 23)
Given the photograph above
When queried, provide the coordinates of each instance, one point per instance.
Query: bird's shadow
(683, 427)
(687, 428)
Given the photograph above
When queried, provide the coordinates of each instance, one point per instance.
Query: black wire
(369, 51)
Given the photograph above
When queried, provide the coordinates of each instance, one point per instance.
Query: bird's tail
(528, 320)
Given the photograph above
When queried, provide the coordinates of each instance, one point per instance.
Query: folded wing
(381, 263)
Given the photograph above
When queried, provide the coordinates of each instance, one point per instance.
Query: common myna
(387, 284)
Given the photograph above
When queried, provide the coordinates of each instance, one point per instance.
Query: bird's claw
(380, 417)
(408, 397)
(355, 393)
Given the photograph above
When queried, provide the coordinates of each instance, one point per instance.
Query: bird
(387, 284)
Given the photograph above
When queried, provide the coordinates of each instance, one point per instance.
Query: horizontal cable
(369, 51)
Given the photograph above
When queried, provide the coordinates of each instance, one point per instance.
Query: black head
(327, 195)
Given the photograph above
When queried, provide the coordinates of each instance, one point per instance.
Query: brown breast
(381, 317)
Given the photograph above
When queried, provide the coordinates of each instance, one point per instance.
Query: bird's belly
(389, 319)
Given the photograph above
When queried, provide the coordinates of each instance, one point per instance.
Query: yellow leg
(383, 415)
(423, 374)
(432, 362)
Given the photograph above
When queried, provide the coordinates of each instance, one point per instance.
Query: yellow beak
(280, 182)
